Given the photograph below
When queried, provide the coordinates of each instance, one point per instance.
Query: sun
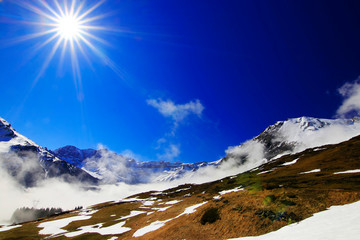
(69, 27)
(72, 28)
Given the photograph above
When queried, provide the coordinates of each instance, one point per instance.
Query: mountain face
(284, 192)
(29, 163)
(291, 136)
(284, 137)
(111, 167)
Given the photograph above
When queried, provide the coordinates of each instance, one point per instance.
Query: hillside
(283, 191)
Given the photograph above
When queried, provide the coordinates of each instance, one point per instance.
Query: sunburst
(69, 25)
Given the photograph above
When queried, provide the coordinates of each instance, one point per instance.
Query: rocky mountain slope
(29, 163)
(290, 136)
(278, 193)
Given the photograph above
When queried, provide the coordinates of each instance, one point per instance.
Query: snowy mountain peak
(291, 136)
(17, 152)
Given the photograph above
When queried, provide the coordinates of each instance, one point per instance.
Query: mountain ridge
(28, 162)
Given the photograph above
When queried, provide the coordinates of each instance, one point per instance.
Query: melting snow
(87, 212)
(231, 190)
(173, 202)
(290, 163)
(318, 149)
(113, 238)
(7, 228)
(132, 214)
(161, 209)
(312, 171)
(349, 171)
(97, 228)
(183, 189)
(152, 227)
(148, 203)
(55, 227)
(338, 222)
(158, 224)
(266, 171)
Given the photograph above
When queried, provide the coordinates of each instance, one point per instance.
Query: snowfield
(338, 222)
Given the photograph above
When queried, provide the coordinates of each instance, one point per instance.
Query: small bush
(269, 199)
(210, 216)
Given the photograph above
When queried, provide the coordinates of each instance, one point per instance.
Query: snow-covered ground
(158, 224)
(338, 222)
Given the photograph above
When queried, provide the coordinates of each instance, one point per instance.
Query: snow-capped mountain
(28, 162)
(291, 136)
(284, 137)
(111, 167)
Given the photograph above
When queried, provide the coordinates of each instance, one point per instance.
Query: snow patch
(349, 171)
(148, 203)
(55, 227)
(231, 190)
(161, 209)
(173, 202)
(158, 224)
(7, 228)
(290, 163)
(312, 171)
(132, 214)
(338, 222)
(97, 228)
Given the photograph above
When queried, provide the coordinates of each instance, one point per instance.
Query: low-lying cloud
(170, 153)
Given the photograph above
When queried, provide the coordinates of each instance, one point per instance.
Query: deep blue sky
(249, 63)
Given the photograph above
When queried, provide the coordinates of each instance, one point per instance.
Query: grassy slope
(271, 200)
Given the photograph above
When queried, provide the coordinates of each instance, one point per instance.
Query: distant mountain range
(103, 166)
(111, 167)
(313, 193)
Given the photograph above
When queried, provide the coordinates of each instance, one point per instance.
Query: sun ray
(91, 9)
(78, 9)
(59, 8)
(98, 17)
(50, 39)
(95, 38)
(30, 36)
(78, 44)
(47, 61)
(35, 9)
(47, 6)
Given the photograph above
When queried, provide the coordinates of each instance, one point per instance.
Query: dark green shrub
(210, 216)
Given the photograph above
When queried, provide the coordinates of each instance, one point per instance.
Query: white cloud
(171, 152)
(351, 103)
(178, 112)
